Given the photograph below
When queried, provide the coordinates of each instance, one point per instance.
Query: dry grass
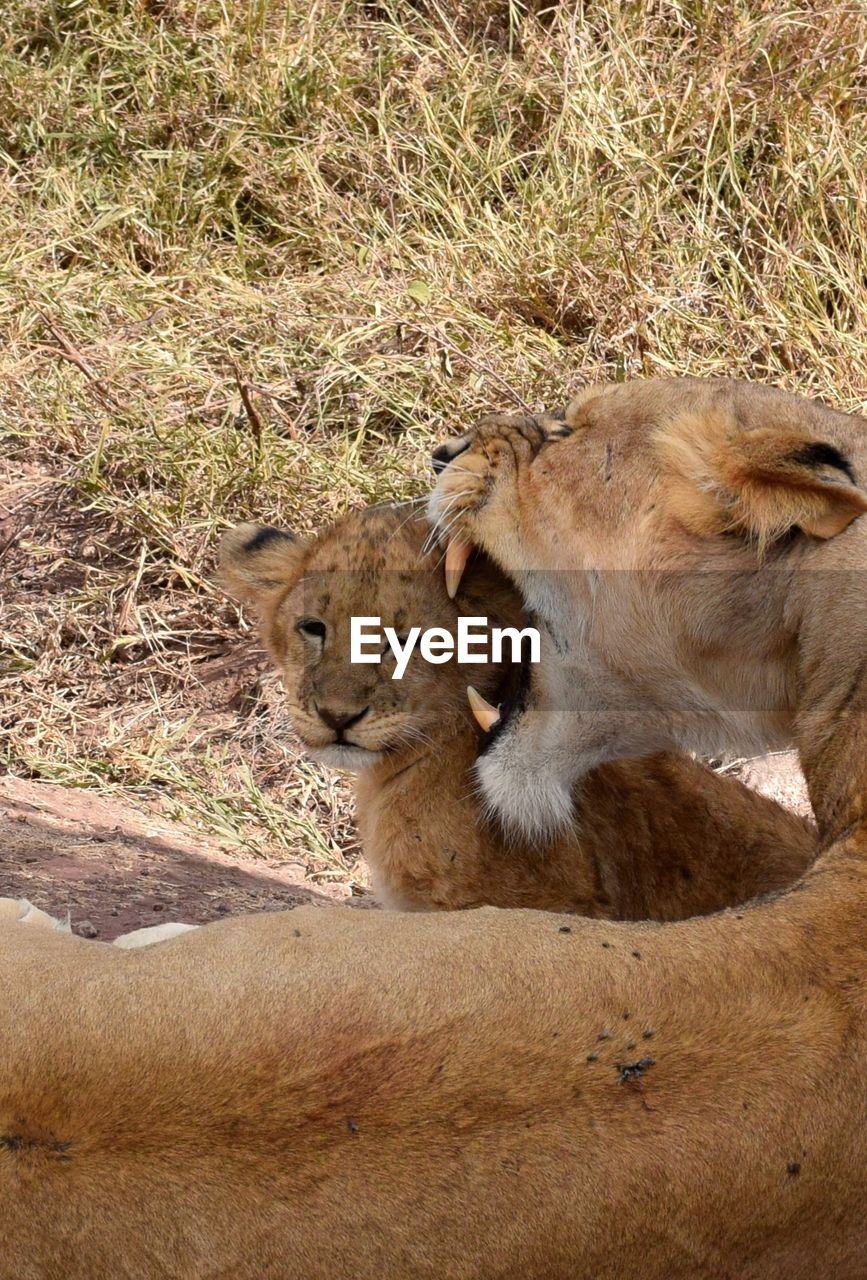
(380, 219)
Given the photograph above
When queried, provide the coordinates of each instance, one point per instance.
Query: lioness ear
(256, 560)
(763, 483)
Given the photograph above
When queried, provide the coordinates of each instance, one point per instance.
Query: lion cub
(661, 838)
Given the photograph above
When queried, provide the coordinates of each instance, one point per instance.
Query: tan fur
(485, 1095)
(689, 547)
(662, 838)
(372, 562)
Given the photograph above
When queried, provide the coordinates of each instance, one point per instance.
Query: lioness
(482, 1095)
(656, 839)
(693, 551)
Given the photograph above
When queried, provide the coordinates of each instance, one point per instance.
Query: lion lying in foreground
(692, 551)
(656, 839)
(329, 1093)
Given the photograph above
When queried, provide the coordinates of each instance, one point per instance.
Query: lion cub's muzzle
(339, 720)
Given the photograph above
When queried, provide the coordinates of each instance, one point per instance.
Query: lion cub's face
(370, 564)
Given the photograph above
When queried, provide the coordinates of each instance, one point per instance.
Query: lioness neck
(830, 726)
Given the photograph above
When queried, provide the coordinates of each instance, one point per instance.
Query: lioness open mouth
(487, 716)
(492, 719)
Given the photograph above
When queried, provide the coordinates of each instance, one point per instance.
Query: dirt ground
(114, 868)
(140, 722)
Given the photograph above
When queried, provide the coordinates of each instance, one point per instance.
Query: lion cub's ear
(763, 483)
(256, 560)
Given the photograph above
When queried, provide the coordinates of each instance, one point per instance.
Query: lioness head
(696, 554)
(375, 563)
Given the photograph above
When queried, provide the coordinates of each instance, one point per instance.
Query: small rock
(86, 929)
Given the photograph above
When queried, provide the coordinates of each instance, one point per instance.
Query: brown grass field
(255, 258)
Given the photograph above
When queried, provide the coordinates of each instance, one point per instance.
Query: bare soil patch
(113, 868)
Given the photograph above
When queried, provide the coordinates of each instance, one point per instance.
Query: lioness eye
(311, 627)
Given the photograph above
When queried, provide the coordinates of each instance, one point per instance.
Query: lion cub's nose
(339, 720)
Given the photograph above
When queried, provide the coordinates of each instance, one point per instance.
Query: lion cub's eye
(312, 628)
